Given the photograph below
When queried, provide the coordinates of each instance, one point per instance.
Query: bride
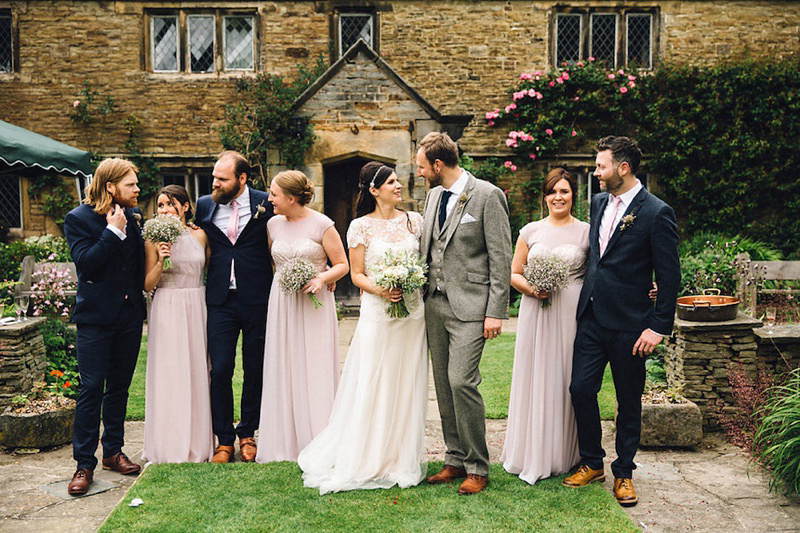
(376, 434)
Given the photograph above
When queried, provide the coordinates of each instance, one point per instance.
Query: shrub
(62, 363)
(749, 395)
(778, 435)
(50, 290)
(50, 248)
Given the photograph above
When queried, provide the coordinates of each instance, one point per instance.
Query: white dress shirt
(457, 188)
(626, 198)
(223, 214)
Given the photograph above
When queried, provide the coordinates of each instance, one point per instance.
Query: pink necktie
(610, 229)
(233, 222)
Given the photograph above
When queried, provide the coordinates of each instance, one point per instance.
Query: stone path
(712, 488)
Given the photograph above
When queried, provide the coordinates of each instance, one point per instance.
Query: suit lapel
(430, 219)
(452, 222)
(633, 208)
(597, 217)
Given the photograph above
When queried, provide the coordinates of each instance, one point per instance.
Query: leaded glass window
(6, 45)
(201, 43)
(568, 38)
(640, 31)
(604, 38)
(10, 201)
(239, 41)
(352, 27)
(164, 31)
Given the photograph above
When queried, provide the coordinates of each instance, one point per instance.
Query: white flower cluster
(404, 270)
(547, 272)
(163, 228)
(294, 274)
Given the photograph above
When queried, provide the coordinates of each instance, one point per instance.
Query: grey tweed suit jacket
(477, 250)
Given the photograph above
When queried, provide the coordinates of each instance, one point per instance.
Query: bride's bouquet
(163, 228)
(404, 270)
(294, 275)
(547, 272)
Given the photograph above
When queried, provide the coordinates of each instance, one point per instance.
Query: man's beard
(225, 197)
(436, 180)
(613, 184)
(122, 202)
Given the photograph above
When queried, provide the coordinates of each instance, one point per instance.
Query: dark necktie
(443, 208)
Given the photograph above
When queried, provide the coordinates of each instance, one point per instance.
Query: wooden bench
(31, 272)
(751, 274)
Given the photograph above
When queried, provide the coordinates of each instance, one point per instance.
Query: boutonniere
(260, 210)
(627, 221)
(138, 218)
(462, 200)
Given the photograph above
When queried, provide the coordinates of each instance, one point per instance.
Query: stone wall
(462, 57)
(22, 359)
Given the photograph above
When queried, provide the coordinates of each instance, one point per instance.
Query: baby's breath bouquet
(404, 270)
(293, 276)
(547, 272)
(163, 228)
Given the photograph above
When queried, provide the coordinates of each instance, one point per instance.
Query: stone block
(36, 430)
(679, 425)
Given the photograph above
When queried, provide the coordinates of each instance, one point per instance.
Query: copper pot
(710, 307)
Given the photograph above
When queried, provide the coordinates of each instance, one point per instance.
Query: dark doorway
(341, 191)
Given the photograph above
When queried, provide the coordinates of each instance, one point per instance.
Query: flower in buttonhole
(507, 164)
(548, 131)
(623, 89)
(611, 76)
(76, 103)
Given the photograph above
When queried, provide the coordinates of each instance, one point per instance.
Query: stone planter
(671, 424)
(36, 430)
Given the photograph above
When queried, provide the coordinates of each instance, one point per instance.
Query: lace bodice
(570, 242)
(299, 239)
(378, 236)
(188, 263)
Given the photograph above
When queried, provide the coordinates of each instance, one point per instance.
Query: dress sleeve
(356, 233)
(416, 223)
(527, 233)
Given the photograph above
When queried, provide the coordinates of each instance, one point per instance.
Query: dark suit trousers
(106, 360)
(594, 347)
(224, 324)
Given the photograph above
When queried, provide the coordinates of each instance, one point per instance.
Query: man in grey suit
(466, 239)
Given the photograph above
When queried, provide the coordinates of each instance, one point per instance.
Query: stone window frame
(621, 46)
(184, 58)
(336, 27)
(13, 42)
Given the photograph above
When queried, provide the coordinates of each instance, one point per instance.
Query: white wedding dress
(376, 434)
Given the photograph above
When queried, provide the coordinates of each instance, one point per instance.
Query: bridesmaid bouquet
(547, 272)
(294, 275)
(163, 228)
(404, 270)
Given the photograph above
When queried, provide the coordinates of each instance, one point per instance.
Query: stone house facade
(423, 65)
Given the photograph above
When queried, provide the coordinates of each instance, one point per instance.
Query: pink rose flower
(513, 168)
(507, 164)
(611, 76)
(631, 84)
(548, 131)
(590, 58)
(539, 96)
(580, 63)
(621, 72)
(574, 133)
(559, 80)
(623, 89)
(631, 78)
(531, 93)
(491, 123)
(552, 84)
(511, 143)
(76, 103)
(565, 75)
(577, 98)
(532, 156)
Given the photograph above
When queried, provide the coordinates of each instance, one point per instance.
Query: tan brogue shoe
(624, 492)
(79, 485)
(447, 474)
(247, 448)
(222, 454)
(584, 476)
(473, 484)
(119, 462)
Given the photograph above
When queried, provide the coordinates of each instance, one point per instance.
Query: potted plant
(42, 418)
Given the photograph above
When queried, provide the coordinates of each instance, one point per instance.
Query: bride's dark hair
(373, 174)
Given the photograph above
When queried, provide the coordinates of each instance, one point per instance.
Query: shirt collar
(458, 187)
(243, 200)
(628, 197)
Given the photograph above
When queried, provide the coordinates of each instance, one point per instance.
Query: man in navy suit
(633, 235)
(234, 217)
(104, 236)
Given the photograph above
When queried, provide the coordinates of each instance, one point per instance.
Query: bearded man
(104, 236)
(234, 217)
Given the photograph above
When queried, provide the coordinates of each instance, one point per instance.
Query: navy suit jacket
(103, 272)
(618, 283)
(250, 253)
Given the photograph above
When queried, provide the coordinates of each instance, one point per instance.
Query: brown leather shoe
(584, 476)
(473, 484)
(624, 492)
(223, 454)
(80, 482)
(447, 474)
(119, 462)
(247, 449)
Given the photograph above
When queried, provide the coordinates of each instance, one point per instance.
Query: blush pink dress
(301, 355)
(177, 423)
(541, 436)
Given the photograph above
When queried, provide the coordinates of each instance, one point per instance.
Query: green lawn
(496, 366)
(251, 497)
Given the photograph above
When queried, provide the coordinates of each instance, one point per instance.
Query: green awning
(20, 147)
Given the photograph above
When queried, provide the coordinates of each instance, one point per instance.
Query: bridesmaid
(177, 426)
(541, 436)
(301, 355)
